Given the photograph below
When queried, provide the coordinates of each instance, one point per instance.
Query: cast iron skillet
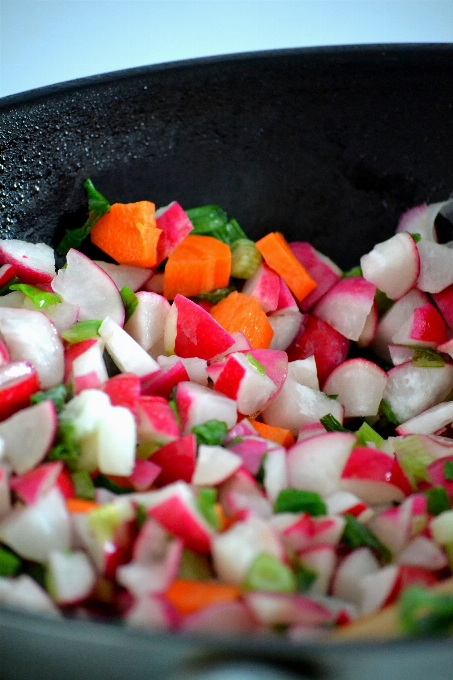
(328, 145)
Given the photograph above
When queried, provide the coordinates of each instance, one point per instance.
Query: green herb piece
(4, 290)
(211, 220)
(234, 232)
(268, 574)
(245, 258)
(355, 271)
(416, 237)
(332, 425)
(130, 301)
(423, 612)
(174, 408)
(214, 296)
(448, 470)
(438, 500)
(356, 535)
(97, 207)
(305, 577)
(262, 470)
(194, 567)
(10, 563)
(334, 397)
(81, 330)
(366, 434)
(255, 363)
(205, 502)
(142, 515)
(388, 413)
(296, 500)
(67, 448)
(414, 458)
(383, 302)
(57, 394)
(83, 485)
(103, 482)
(212, 432)
(424, 357)
(40, 298)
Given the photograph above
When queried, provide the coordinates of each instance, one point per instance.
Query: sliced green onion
(388, 413)
(414, 458)
(332, 424)
(214, 296)
(205, 502)
(366, 434)
(297, 500)
(234, 232)
(383, 302)
(67, 447)
(207, 219)
(194, 567)
(424, 357)
(256, 364)
(40, 298)
(83, 485)
(356, 535)
(423, 612)
(130, 301)
(4, 290)
(355, 271)
(438, 500)
(305, 577)
(57, 394)
(448, 470)
(245, 258)
(103, 482)
(416, 237)
(82, 330)
(10, 563)
(97, 207)
(211, 433)
(269, 574)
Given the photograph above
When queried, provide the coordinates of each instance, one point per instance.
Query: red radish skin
(347, 305)
(124, 390)
(156, 421)
(359, 384)
(321, 269)
(34, 483)
(34, 263)
(175, 225)
(374, 476)
(264, 285)
(162, 384)
(177, 460)
(393, 266)
(425, 327)
(18, 381)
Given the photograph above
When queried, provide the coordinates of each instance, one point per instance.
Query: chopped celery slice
(40, 298)
(206, 501)
(365, 434)
(97, 207)
(296, 500)
(425, 613)
(57, 394)
(130, 301)
(245, 258)
(268, 573)
(81, 330)
(212, 432)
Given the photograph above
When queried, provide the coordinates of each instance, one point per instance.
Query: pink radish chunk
(359, 384)
(425, 328)
(393, 266)
(374, 476)
(175, 225)
(242, 381)
(197, 404)
(126, 275)
(346, 306)
(18, 381)
(321, 269)
(33, 262)
(147, 323)
(264, 285)
(127, 354)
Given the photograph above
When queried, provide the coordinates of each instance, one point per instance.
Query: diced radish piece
(280, 608)
(243, 429)
(153, 612)
(126, 275)
(175, 509)
(251, 451)
(144, 474)
(393, 266)
(304, 372)
(35, 530)
(28, 435)
(7, 272)
(307, 531)
(264, 285)
(224, 618)
(24, 593)
(147, 323)
(370, 328)
(423, 552)
(14, 299)
(347, 503)
(441, 527)
(90, 362)
(156, 574)
(4, 353)
(374, 476)
(127, 354)
(240, 484)
(347, 305)
(317, 464)
(320, 267)
(35, 483)
(34, 262)
(30, 336)
(84, 283)
(320, 340)
(297, 405)
(436, 266)
(18, 381)
(400, 354)
(62, 314)
(234, 550)
(377, 587)
(411, 389)
(71, 576)
(161, 384)
(5, 496)
(425, 328)
(123, 390)
(322, 560)
(247, 385)
(190, 331)
(197, 404)
(155, 284)
(74, 350)
(214, 465)
(359, 384)
(421, 219)
(175, 226)
(437, 476)
(286, 301)
(429, 421)
(444, 301)
(310, 430)
(156, 421)
(196, 368)
(177, 460)
(286, 326)
(116, 441)
(275, 473)
(346, 583)
(446, 347)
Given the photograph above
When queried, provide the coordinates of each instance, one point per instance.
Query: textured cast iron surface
(329, 145)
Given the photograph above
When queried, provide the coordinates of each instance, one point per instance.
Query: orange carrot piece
(128, 233)
(280, 435)
(240, 312)
(189, 596)
(278, 255)
(80, 505)
(197, 265)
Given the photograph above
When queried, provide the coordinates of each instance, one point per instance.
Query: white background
(49, 41)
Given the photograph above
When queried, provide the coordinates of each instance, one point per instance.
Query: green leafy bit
(214, 296)
(448, 470)
(388, 413)
(130, 301)
(355, 271)
(296, 500)
(211, 220)
(83, 485)
(366, 434)
(142, 515)
(4, 290)
(437, 500)
(356, 535)
(212, 432)
(416, 237)
(256, 364)
(206, 501)
(383, 302)
(97, 207)
(268, 573)
(81, 330)
(40, 298)
(194, 566)
(305, 577)
(413, 457)
(332, 424)
(57, 394)
(423, 612)
(10, 563)
(104, 482)
(424, 357)
(67, 447)
(245, 258)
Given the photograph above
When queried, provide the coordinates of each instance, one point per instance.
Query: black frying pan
(328, 145)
